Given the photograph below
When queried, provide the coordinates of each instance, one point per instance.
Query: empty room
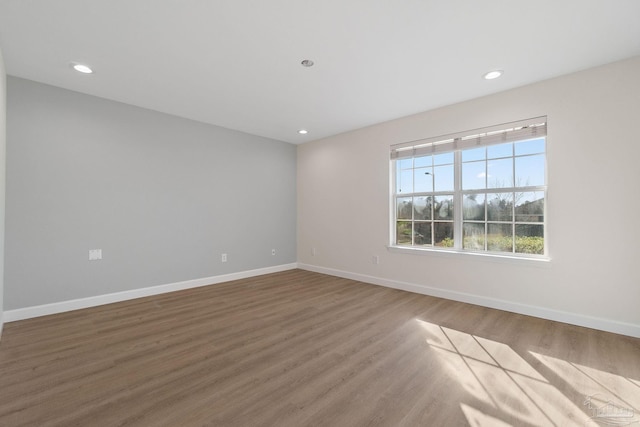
(319, 213)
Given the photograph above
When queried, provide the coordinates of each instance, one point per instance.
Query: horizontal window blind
(508, 132)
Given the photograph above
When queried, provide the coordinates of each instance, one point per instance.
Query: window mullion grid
(432, 223)
(486, 222)
(413, 197)
(513, 218)
(413, 217)
(459, 196)
(393, 209)
(486, 201)
(513, 198)
(457, 200)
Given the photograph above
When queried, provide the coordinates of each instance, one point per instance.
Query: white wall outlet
(273, 251)
(314, 252)
(223, 258)
(95, 254)
(375, 259)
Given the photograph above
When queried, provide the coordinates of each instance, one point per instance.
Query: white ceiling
(236, 63)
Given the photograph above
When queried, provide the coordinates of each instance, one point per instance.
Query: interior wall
(592, 232)
(3, 145)
(163, 197)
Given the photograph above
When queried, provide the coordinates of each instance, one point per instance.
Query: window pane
(422, 207)
(474, 176)
(423, 161)
(500, 206)
(443, 177)
(443, 208)
(530, 170)
(423, 180)
(530, 239)
(473, 236)
(499, 238)
(443, 159)
(404, 164)
(403, 208)
(529, 207)
(500, 173)
(500, 150)
(443, 234)
(474, 154)
(532, 146)
(473, 207)
(403, 233)
(404, 181)
(422, 235)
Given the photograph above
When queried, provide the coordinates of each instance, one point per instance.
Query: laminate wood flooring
(304, 349)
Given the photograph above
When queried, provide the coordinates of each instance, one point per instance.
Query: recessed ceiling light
(493, 74)
(307, 63)
(303, 131)
(81, 68)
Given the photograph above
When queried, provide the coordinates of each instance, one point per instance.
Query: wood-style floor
(304, 349)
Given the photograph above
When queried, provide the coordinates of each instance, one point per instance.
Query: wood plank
(300, 348)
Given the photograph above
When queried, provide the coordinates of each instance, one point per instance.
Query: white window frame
(456, 143)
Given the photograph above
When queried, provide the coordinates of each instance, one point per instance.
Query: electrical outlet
(95, 254)
(223, 258)
(314, 252)
(375, 259)
(273, 251)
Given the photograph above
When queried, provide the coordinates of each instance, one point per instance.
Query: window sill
(538, 261)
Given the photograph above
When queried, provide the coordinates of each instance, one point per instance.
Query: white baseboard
(76, 304)
(607, 325)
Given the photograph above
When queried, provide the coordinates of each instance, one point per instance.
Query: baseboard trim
(607, 325)
(77, 304)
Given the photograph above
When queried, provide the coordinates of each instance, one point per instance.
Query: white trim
(499, 257)
(607, 325)
(77, 304)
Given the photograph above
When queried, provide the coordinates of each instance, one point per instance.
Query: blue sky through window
(482, 168)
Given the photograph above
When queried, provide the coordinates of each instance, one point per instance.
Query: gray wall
(3, 145)
(162, 197)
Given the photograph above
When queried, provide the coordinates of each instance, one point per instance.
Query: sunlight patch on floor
(506, 388)
(607, 397)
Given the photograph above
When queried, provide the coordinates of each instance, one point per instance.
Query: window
(480, 191)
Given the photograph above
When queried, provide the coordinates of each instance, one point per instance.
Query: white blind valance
(508, 132)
